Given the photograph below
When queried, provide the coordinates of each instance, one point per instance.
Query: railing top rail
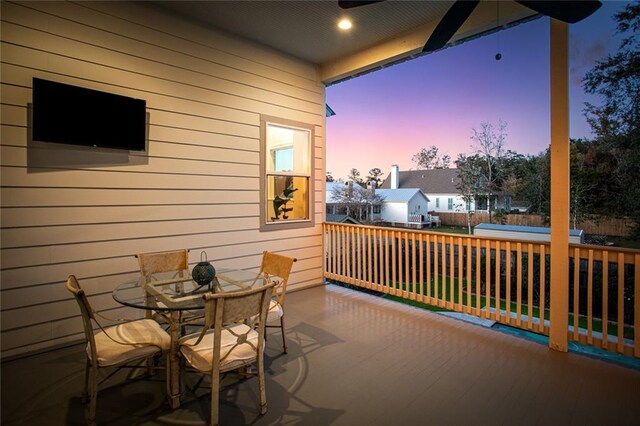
(582, 247)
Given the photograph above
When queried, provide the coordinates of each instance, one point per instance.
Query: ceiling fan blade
(355, 3)
(450, 23)
(567, 11)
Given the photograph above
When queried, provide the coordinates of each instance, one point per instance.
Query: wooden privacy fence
(506, 281)
(597, 225)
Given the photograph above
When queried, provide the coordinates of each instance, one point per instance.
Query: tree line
(605, 170)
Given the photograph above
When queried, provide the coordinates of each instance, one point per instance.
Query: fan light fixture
(569, 11)
(345, 24)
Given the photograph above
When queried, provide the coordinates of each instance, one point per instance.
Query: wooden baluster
(543, 288)
(507, 260)
(519, 284)
(530, 286)
(590, 298)
(605, 299)
(498, 313)
(620, 346)
(576, 293)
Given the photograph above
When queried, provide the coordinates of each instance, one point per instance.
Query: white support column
(559, 87)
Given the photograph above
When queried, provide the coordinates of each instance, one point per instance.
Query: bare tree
(354, 175)
(429, 158)
(489, 146)
(469, 182)
(578, 193)
(357, 201)
(375, 175)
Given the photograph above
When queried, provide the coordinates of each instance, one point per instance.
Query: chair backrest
(86, 312)
(248, 306)
(277, 268)
(236, 306)
(176, 261)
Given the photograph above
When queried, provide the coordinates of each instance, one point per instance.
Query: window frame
(265, 225)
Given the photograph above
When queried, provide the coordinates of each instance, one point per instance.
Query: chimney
(371, 187)
(395, 176)
(348, 187)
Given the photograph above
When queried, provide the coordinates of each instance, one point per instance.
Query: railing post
(559, 42)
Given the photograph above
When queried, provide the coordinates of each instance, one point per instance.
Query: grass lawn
(626, 242)
(449, 230)
(443, 293)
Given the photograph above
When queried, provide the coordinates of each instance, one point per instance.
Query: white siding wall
(418, 200)
(459, 205)
(395, 212)
(70, 210)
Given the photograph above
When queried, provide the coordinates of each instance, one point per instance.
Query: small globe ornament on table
(204, 272)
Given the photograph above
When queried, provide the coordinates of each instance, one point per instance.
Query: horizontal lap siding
(70, 210)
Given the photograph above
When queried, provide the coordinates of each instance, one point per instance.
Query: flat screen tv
(68, 114)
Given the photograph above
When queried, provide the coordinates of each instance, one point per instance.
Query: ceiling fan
(568, 11)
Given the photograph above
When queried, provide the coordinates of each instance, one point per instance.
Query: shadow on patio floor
(354, 359)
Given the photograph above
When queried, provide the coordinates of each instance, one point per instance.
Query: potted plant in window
(280, 201)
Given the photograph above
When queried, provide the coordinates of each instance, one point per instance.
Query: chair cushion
(200, 356)
(275, 311)
(146, 333)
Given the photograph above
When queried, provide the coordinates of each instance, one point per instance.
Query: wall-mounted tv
(68, 114)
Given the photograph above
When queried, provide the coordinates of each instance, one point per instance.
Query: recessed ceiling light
(344, 24)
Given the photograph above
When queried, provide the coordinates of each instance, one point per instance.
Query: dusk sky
(387, 116)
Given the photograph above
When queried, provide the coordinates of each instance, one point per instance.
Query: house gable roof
(402, 195)
(435, 181)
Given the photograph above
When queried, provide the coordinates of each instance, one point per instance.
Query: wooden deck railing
(497, 279)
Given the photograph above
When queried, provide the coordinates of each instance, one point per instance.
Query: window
(286, 181)
(450, 204)
(481, 203)
(468, 205)
(437, 203)
(377, 209)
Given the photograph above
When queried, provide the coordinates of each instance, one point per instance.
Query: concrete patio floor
(354, 359)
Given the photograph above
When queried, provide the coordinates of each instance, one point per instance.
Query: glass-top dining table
(173, 298)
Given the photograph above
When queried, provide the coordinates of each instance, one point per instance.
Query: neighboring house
(338, 205)
(330, 201)
(440, 186)
(332, 205)
(398, 206)
(405, 206)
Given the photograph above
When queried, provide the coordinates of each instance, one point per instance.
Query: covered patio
(355, 359)
(210, 84)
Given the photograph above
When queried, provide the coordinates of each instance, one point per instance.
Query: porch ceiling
(382, 33)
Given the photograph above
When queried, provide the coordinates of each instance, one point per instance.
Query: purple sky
(387, 116)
